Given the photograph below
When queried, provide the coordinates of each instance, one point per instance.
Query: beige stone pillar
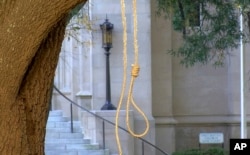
(162, 82)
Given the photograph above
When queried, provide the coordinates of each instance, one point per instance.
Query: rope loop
(135, 70)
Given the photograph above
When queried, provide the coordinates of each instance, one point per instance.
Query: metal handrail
(105, 120)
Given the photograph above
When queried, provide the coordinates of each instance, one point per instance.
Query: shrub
(210, 151)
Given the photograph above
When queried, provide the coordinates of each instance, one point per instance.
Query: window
(194, 15)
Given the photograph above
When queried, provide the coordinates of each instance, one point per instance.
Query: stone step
(60, 141)
(93, 152)
(61, 152)
(63, 130)
(58, 119)
(50, 135)
(77, 152)
(55, 113)
(69, 147)
(62, 124)
(69, 141)
(83, 146)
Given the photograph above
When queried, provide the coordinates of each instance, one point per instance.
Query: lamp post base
(108, 106)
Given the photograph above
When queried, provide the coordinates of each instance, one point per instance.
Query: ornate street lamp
(107, 28)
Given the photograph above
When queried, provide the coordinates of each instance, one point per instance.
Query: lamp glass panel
(109, 37)
(104, 37)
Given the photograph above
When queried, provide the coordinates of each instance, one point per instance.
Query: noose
(134, 74)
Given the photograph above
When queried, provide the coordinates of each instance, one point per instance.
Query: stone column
(162, 82)
(84, 72)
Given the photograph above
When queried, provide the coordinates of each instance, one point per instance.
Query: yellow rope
(134, 74)
(124, 21)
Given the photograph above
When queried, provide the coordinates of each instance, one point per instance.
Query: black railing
(103, 124)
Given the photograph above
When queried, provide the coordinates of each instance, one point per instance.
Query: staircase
(60, 141)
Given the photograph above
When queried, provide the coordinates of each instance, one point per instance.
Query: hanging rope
(134, 73)
(124, 21)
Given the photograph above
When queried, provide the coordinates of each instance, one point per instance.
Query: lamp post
(107, 28)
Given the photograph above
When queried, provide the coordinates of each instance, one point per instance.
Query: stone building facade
(180, 102)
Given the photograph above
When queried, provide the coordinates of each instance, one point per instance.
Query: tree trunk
(31, 33)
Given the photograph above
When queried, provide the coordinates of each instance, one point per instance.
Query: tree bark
(31, 33)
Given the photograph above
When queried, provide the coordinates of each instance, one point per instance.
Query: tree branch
(248, 21)
(182, 17)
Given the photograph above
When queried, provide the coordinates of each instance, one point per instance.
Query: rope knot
(135, 70)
